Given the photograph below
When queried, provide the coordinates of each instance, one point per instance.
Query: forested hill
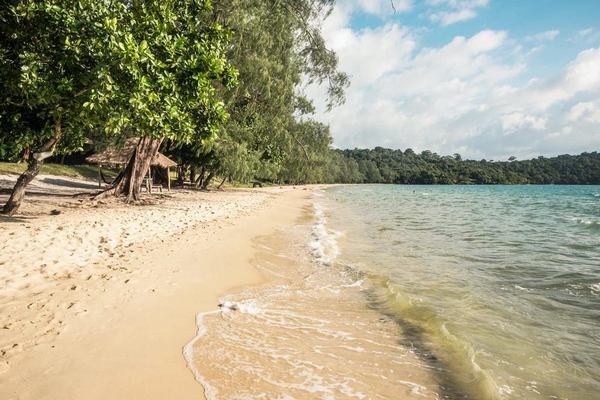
(382, 165)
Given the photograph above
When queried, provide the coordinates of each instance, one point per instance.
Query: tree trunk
(200, 179)
(130, 181)
(207, 181)
(192, 174)
(25, 155)
(180, 175)
(33, 168)
(222, 182)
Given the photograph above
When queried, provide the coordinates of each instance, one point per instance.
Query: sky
(483, 78)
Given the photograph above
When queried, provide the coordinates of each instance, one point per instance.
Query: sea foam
(324, 244)
(245, 307)
(188, 354)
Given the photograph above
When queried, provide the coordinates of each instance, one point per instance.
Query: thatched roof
(120, 156)
(163, 161)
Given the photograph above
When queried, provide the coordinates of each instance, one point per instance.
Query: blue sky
(486, 78)
(522, 18)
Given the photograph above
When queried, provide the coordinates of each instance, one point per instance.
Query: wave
(227, 306)
(188, 354)
(324, 245)
(432, 338)
(245, 307)
(302, 342)
(589, 224)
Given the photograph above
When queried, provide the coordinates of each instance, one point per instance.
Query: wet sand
(308, 332)
(109, 314)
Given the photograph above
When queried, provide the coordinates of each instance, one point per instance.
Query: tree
(50, 66)
(426, 169)
(274, 45)
(124, 69)
(171, 58)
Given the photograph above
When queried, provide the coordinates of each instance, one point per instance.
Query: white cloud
(451, 17)
(371, 53)
(459, 97)
(453, 11)
(587, 35)
(546, 36)
(380, 8)
(581, 75)
(516, 120)
(585, 111)
(402, 5)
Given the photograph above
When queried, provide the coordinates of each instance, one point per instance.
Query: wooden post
(168, 179)
(149, 188)
(99, 175)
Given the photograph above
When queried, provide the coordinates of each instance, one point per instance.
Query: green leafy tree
(50, 63)
(170, 63)
(119, 69)
(274, 45)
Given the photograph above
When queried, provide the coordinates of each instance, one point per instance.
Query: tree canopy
(74, 70)
(380, 165)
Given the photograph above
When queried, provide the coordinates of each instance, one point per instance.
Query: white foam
(586, 221)
(188, 354)
(245, 307)
(358, 283)
(324, 244)
(522, 288)
(505, 390)
(415, 387)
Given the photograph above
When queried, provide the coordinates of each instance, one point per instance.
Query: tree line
(380, 165)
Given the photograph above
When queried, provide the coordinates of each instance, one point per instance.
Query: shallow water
(501, 283)
(401, 292)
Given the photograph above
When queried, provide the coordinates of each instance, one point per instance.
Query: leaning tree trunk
(130, 181)
(222, 182)
(207, 181)
(200, 179)
(33, 168)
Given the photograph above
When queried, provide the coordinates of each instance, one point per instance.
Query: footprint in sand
(4, 367)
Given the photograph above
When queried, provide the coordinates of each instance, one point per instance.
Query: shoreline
(126, 334)
(309, 331)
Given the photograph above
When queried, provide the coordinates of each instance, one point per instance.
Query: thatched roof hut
(120, 156)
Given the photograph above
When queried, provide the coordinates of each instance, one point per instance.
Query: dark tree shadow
(413, 337)
(19, 219)
(70, 184)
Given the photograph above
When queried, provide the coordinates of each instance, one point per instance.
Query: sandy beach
(98, 298)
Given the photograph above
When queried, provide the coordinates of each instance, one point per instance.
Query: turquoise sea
(417, 292)
(496, 287)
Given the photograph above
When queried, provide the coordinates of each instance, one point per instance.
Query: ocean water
(440, 292)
